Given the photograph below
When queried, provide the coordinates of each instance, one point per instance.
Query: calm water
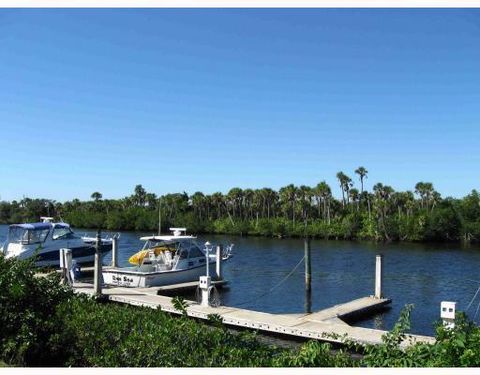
(420, 274)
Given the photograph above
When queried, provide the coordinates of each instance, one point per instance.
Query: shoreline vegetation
(44, 323)
(381, 214)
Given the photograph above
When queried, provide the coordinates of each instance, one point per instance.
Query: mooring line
(473, 299)
(274, 287)
(476, 312)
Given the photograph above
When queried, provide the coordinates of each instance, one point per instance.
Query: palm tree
(139, 195)
(409, 203)
(248, 203)
(382, 197)
(235, 196)
(345, 185)
(318, 198)
(218, 202)
(420, 190)
(436, 198)
(305, 197)
(288, 196)
(151, 200)
(270, 199)
(362, 173)
(354, 196)
(426, 192)
(96, 196)
(322, 193)
(197, 200)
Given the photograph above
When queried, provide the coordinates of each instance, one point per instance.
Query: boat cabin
(169, 252)
(38, 233)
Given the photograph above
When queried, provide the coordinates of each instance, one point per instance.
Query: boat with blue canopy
(45, 239)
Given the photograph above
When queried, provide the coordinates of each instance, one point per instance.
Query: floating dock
(326, 325)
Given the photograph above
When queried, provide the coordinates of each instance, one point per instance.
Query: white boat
(166, 260)
(45, 239)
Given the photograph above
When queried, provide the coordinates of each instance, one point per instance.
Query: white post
(97, 277)
(207, 255)
(63, 264)
(205, 282)
(219, 262)
(114, 252)
(66, 265)
(378, 276)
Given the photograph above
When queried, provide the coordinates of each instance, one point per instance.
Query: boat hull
(50, 257)
(84, 256)
(128, 277)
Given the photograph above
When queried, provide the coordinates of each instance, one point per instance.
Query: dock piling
(66, 265)
(205, 287)
(219, 262)
(378, 276)
(115, 251)
(97, 276)
(308, 266)
(62, 265)
(308, 301)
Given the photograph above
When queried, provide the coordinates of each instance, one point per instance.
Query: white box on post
(447, 313)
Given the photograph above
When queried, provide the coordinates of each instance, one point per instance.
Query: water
(422, 274)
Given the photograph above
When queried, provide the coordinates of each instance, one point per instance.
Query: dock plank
(344, 310)
(319, 325)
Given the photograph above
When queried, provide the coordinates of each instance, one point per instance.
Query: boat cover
(33, 226)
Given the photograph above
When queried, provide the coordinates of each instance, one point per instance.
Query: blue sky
(205, 100)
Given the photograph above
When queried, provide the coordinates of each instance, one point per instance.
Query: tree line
(380, 214)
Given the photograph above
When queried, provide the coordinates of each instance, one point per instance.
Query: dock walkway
(320, 325)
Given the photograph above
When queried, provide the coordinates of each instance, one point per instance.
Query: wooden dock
(319, 325)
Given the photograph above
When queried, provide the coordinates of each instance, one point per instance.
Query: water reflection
(379, 322)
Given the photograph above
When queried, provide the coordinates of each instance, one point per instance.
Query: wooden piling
(378, 276)
(115, 252)
(219, 262)
(308, 301)
(97, 276)
(68, 265)
(308, 266)
(63, 266)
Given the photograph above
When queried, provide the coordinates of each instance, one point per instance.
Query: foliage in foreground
(29, 334)
(45, 324)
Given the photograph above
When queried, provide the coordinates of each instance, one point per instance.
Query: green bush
(110, 335)
(29, 335)
(443, 224)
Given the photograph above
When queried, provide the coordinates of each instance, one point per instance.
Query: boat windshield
(63, 233)
(185, 249)
(27, 236)
(172, 246)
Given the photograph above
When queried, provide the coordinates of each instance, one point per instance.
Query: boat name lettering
(124, 279)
